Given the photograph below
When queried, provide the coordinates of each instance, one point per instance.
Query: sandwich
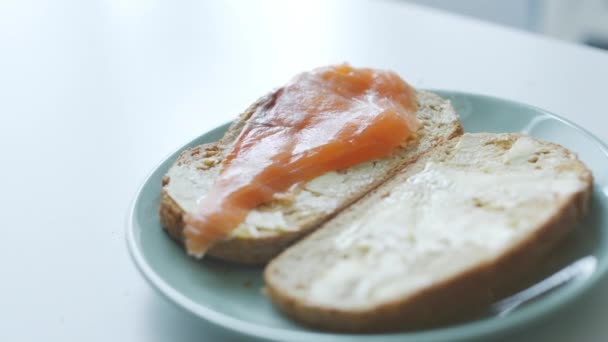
(448, 235)
(289, 215)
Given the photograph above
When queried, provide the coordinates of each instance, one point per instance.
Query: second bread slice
(449, 235)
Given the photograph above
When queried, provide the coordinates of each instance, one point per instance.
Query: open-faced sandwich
(296, 157)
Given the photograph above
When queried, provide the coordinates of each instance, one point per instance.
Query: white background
(93, 94)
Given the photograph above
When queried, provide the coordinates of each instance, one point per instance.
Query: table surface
(93, 94)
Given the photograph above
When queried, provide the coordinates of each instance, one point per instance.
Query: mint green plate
(229, 296)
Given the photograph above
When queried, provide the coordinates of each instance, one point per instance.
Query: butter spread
(324, 182)
(320, 195)
(438, 223)
(523, 150)
(264, 220)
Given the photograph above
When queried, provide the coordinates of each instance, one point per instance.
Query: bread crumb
(207, 163)
(504, 144)
(477, 202)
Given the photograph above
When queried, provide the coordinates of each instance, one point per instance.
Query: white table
(93, 94)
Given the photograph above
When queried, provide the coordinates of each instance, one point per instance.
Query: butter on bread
(270, 228)
(448, 235)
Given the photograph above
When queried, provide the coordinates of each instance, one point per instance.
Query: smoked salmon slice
(324, 120)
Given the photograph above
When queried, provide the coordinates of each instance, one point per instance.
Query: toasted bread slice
(270, 228)
(447, 236)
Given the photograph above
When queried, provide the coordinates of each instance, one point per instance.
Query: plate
(230, 296)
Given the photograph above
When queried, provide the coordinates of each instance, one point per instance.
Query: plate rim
(470, 330)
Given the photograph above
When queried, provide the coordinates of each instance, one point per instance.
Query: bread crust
(259, 250)
(456, 299)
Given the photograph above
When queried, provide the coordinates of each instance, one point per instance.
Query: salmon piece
(325, 120)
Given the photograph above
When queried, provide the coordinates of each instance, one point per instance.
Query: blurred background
(203, 61)
(580, 21)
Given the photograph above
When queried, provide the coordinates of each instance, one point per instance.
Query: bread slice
(444, 238)
(272, 227)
